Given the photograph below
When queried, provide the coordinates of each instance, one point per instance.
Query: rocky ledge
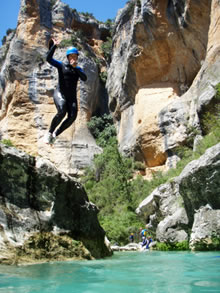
(132, 247)
(187, 208)
(44, 214)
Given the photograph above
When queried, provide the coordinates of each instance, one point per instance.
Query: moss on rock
(46, 247)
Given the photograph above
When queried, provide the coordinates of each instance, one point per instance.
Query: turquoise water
(130, 272)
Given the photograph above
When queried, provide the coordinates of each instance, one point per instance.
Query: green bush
(9, 30)
(67, 43)
(103, 76)
(77, 39)
(177, 246)
(108, 185)
(87, 15)
(162, 246)
(109, 23)
(107, 49)
(7, 142)
(184, 245)
(103, 129)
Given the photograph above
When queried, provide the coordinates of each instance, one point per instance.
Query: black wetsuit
(65, 96)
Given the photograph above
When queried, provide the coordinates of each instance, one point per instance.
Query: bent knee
(61, 114)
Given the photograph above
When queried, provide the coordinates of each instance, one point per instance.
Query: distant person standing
(131, 237)
(65, 97)
(143, 233)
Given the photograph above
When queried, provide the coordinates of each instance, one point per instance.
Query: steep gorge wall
(28, 83)
(187, 113)
(158, 50)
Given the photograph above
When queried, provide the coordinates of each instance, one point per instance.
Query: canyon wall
(164, 62)
(28, 82)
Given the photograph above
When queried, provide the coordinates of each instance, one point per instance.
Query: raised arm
(81, 73)
(50, 59)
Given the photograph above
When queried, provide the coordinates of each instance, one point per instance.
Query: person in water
(65, 97)
(147, 242)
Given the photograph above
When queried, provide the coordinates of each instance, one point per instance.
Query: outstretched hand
(55, 41)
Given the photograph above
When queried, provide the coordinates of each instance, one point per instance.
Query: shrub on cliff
(108, 183)
(103, 129)
(107, 49)
(109, 186)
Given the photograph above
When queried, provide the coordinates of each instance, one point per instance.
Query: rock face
(28, 82)
(38, 204)
(177, 118)
(160, 50)
(188, 207)
(163, 72)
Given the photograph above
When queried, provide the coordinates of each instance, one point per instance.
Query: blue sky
(101, 9)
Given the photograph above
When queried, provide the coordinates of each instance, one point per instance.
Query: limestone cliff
(164, 68)
(28, 82)
(188, 207)
(43, 212)
(163, 71)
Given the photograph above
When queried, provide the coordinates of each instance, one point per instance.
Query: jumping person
(65, 95)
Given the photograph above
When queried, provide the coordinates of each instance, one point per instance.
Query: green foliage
(108, 185)
(53, 2)
(215, 243)
(88, 15)
(119, 225)
(139, 166)
(107, 49)
(77, 39)
(177, 246)
(9, 30)
(68, 42)
(4, 40)
(103, 76)
(212, 243)
(109, 23)
(211, 119)
(103, 129)
(192, 132)
(211, 125)
(141, 188)
(7, 142)
(162, 246)
(184, 245)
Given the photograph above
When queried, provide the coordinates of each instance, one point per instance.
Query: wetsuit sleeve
(81, 73)
(50, 59)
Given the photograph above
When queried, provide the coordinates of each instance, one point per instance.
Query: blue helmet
(72, 50)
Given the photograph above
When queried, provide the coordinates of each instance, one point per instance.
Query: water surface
(127, 272)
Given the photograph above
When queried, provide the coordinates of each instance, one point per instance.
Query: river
(125, 272)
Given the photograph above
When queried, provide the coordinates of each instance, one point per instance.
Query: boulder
(206, 229)
(35, 198)
(187, 207)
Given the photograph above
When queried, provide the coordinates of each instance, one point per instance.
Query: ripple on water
(130, 272)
